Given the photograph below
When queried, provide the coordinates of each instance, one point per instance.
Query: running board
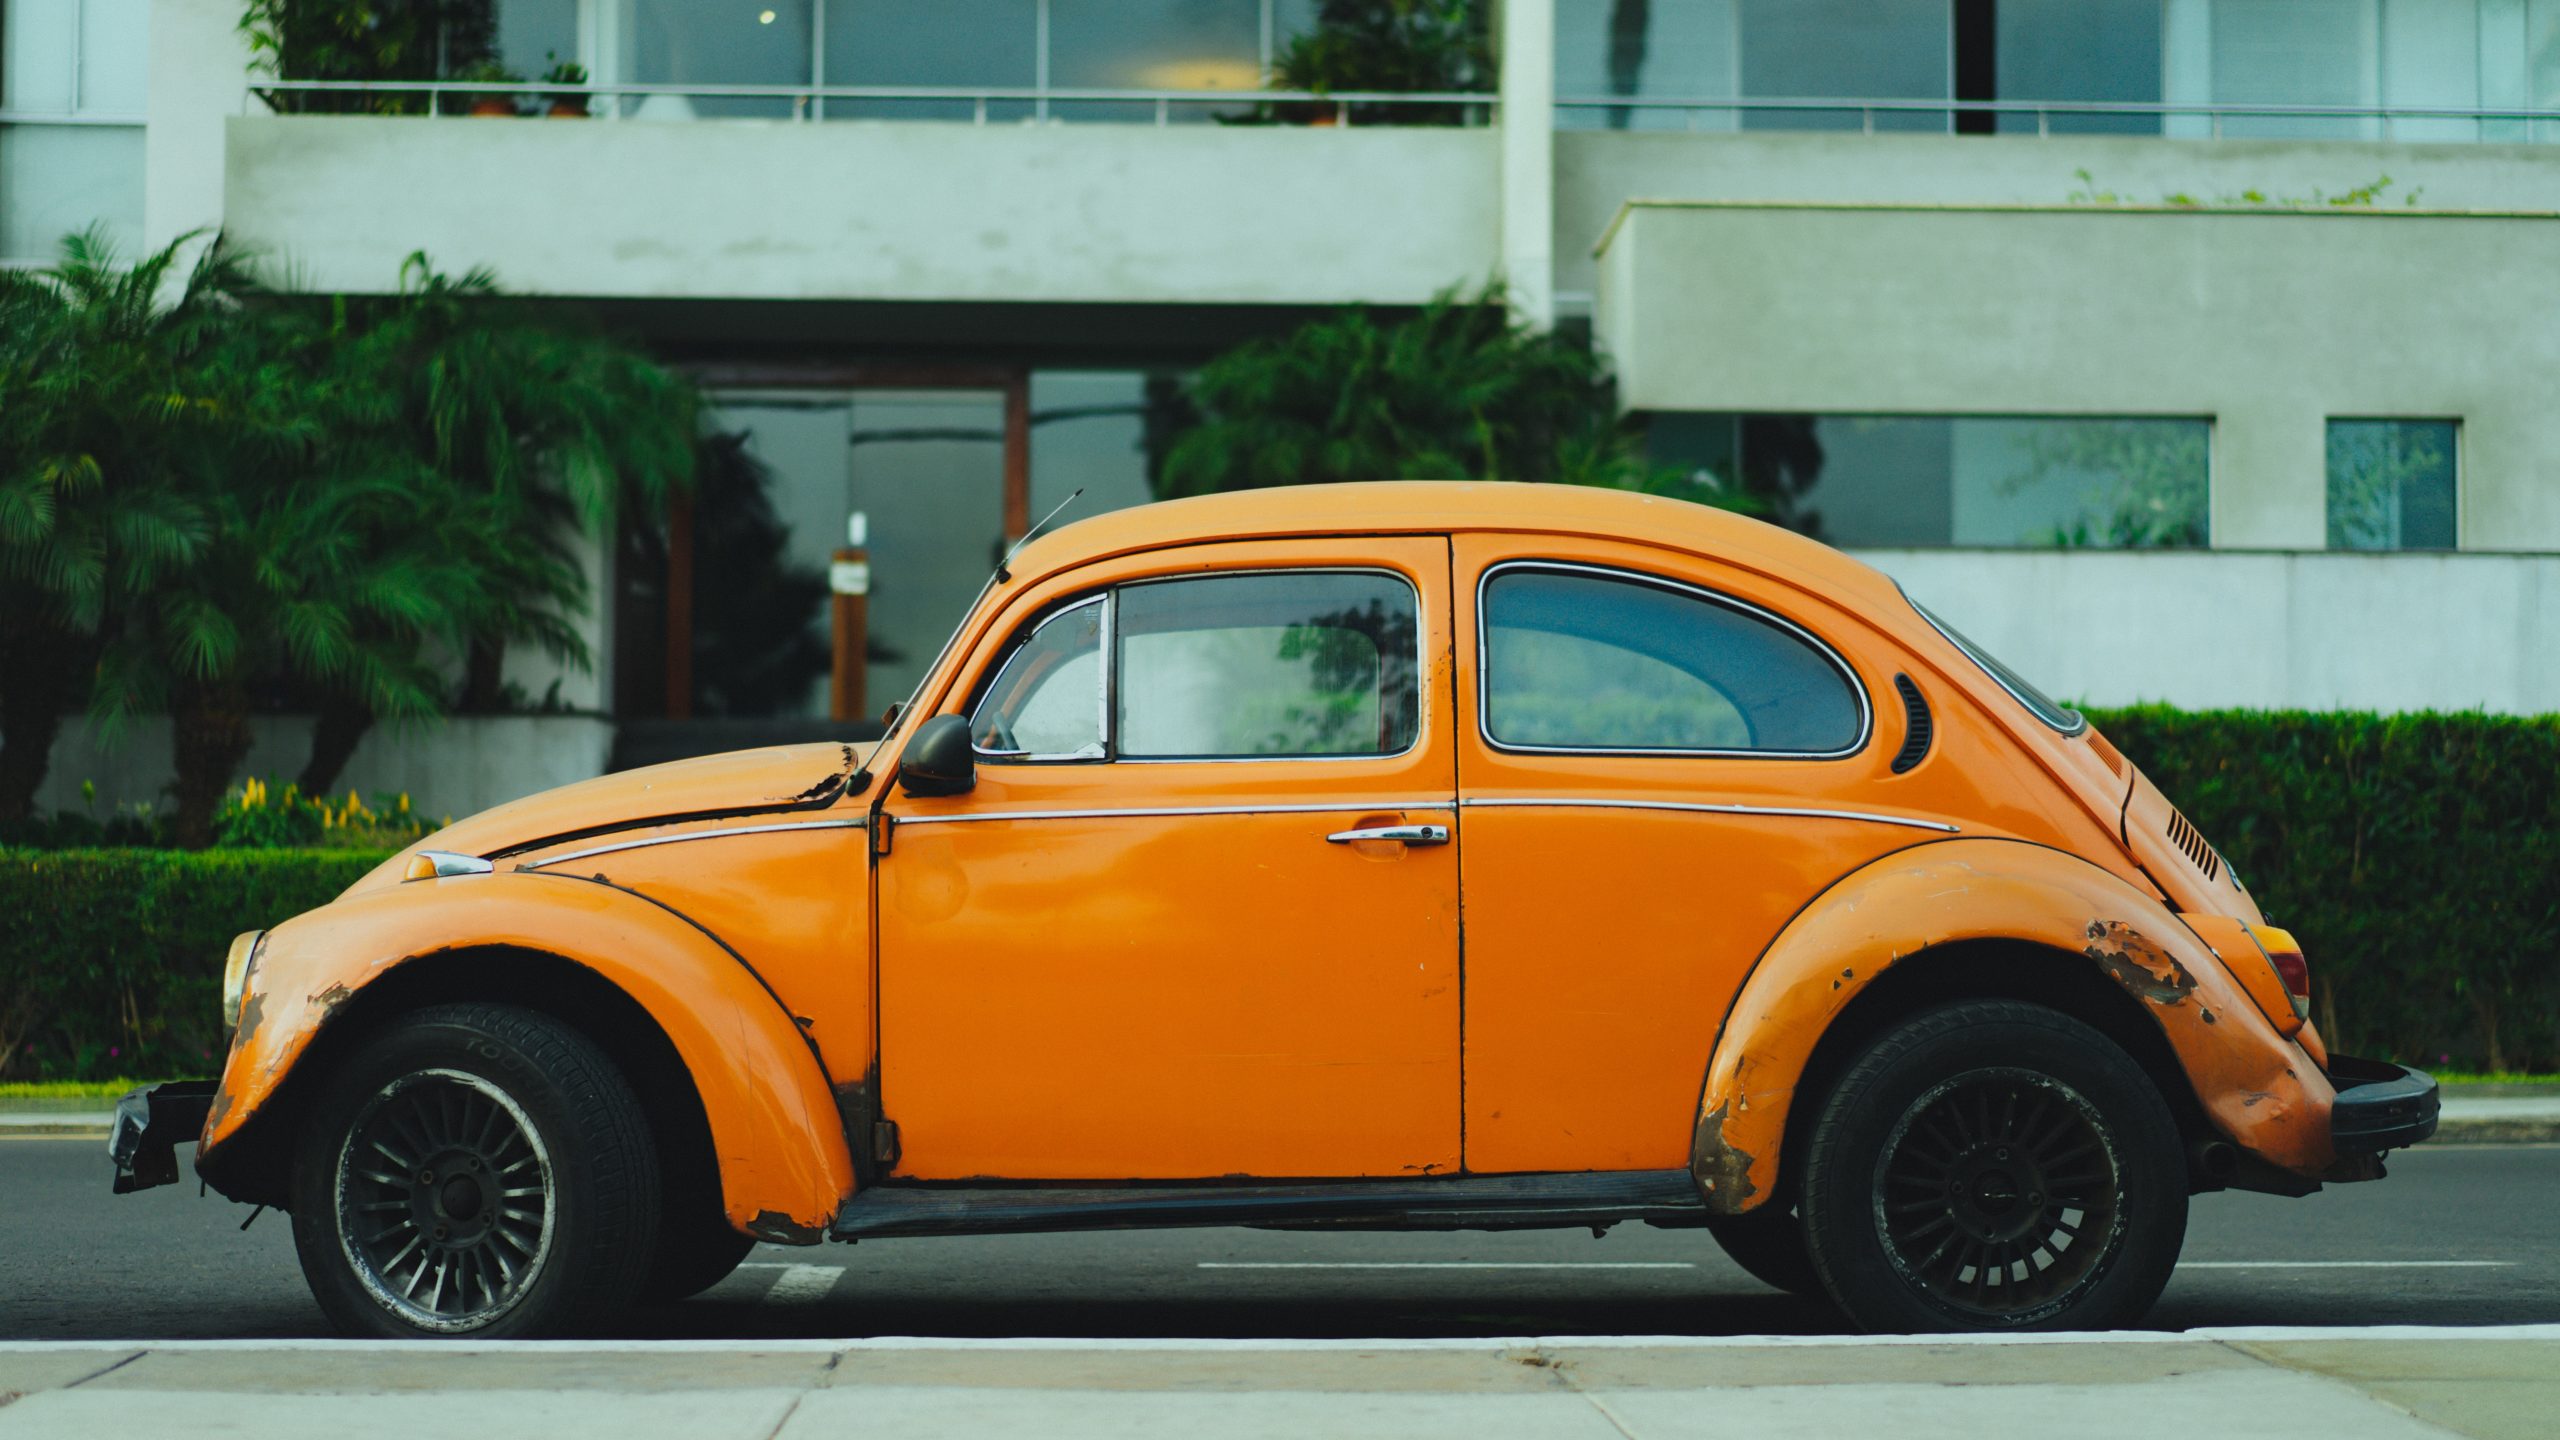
(1461, 1202)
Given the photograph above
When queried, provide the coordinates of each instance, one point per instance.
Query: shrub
(2416, 856)
(114, 960)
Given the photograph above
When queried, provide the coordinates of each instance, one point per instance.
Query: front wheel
(1994, 1166)
(476, 1170)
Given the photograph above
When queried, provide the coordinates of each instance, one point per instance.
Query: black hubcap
(1998, 1193)
(445, 1198)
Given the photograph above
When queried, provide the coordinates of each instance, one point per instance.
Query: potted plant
(494, 102)
(565, 103)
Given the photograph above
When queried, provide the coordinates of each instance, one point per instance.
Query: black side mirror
(940, 760)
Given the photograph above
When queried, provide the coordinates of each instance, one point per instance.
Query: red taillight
(2285, 954)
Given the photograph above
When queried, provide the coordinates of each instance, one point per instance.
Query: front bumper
(2380, 1106)
(150, 1124)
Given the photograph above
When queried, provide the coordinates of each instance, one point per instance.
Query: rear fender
(784, 1165)
(2256, 1086)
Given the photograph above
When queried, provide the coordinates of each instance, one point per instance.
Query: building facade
(2183, 350)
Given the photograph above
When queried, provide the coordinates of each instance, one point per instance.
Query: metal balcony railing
(810, 102)
(2530, 122)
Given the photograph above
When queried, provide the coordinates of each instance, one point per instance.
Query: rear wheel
(474, 1170)
(1994, 1166)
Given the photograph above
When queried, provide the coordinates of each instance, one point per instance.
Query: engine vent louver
(1917, 729)
(2190, 841)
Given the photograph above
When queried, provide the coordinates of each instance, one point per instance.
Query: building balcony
(1028, 212)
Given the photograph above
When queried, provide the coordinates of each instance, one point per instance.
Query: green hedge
(2417, 856)
(113, 959)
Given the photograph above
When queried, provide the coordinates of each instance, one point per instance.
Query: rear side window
(1581, 659)
(1276, 664)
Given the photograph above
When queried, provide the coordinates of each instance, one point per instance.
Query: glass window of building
(957, 43)
(1852, 49)
(720, 42)
(2391, 484)
(71, 72)
(1640, 49)
(534, 35)
(1152, 45)
(2077, 50)
(1926, 481)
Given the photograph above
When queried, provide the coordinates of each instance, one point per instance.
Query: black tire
(693, 1256)
(487, 1158)
(1994, 1166)
(1769, 1243)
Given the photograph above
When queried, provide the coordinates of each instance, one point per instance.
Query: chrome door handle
(1409, 834)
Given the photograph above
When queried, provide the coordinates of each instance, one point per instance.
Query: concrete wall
(199, 76)
(2267, 322)
(1599, 170)
(457, 768)
(2360, 632)
(873, 210)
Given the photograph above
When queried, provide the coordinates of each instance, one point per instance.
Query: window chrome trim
(2079, 723)
(1822, 647)
(1329, 807)
(594, 850)
(1795, 812)
(1102, 654)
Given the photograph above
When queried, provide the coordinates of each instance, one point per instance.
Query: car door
(1661, 760)
(1162, 936)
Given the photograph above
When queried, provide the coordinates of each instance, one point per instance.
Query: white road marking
(1445, 1265)
(803, 1284)
(2343, 1264)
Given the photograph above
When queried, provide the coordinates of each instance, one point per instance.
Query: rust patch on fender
(253, 1010)
(1722, 1170)
(830, 785)
(775, 1228)
(328, 1001)
(2130, 957)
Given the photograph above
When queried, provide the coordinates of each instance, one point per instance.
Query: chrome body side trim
(1703, 808)
(644, 843)
(1329, 807)
(1822, 647)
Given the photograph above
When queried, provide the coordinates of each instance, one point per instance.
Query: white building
(2189, 350)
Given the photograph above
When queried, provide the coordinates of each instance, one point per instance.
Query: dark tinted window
(1594, 662)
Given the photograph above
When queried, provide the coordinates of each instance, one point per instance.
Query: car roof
(1460, 506)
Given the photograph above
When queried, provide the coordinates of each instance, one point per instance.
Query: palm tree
(1460, 391)
(100, 407)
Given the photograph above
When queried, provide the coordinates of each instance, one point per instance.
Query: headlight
(235, 975)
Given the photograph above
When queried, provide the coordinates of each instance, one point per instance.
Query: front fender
(784, 1166)
(2259, 1088)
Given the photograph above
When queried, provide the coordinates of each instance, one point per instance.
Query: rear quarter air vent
(2191, 843)
(1917, 729)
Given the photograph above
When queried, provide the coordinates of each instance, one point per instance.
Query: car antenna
(1004, 567)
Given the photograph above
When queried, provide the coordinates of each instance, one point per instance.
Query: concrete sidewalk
(2493, 1384)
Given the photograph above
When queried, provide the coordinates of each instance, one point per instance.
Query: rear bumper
(150, 1124)
(2380, 1106)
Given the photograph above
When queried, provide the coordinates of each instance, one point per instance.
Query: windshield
(2047, 709)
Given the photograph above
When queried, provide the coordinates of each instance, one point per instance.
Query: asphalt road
(2456, 1236)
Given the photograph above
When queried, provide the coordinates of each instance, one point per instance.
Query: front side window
(1296, 664)
(1584, 660)
(1240, 666)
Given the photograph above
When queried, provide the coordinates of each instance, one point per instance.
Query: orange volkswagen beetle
(1430, 856)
